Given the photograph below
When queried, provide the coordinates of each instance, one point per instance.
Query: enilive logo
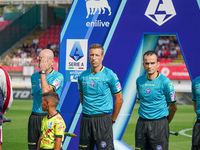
(97, 6)
(160, 11)
(93, 5)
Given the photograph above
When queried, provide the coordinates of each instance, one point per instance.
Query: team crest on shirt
(49, 125)
(158, 147)
(103, 144)
(148, 90)
(92, 83)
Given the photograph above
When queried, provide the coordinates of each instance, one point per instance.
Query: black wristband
(113, 121)
(42, 72)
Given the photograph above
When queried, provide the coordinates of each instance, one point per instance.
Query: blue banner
(126, 29)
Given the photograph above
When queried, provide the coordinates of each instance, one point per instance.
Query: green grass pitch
(15, 133)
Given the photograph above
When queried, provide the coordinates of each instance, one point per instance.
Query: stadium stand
(171, 64)
(16, 59)
(4, 24)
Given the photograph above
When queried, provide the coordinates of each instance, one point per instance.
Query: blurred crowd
(28, 54)
(168, 47)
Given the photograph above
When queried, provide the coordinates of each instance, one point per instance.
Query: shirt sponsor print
(56, 83)
(173, 96)
(118, 86)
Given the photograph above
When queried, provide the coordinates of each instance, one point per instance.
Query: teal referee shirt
(55, 79)
(196, 95)
(97, 90)
(154, 96)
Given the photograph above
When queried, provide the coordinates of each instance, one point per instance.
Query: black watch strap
(113, 121)
(42, 72)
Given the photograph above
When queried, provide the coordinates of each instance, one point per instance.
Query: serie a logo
(160, 11)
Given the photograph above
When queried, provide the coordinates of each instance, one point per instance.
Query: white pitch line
(182, 132)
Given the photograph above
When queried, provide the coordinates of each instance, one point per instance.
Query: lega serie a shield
(8, 96)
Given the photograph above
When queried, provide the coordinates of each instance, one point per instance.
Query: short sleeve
(57, 82)
(193, 92)
(169, 91)
(79, 84)
(137, 90)
(42, 126)
(114, 84)
(59, 128)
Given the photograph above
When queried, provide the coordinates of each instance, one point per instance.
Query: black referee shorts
(196, 136)
(152, 134)
(34, 129)
(96, 130)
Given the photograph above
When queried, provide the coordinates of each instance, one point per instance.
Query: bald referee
(157, 106)
(45, 80)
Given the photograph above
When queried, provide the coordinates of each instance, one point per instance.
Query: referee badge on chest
(148, 90)
(92, 83)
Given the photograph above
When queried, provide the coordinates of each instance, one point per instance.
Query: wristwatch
(113, 121)
(42, 72)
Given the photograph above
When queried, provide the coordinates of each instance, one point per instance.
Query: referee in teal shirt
(196, 104)
(157, 106)
(97, 86)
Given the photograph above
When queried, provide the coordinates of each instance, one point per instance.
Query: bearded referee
(157, 106)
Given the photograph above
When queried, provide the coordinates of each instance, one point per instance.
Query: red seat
(47, 35)
(52, 36)
(57, 36)
(52, 31)
(162, 60)
(56, 41)
(41, 40)
(46, 41)
(168, 60)
(48, 32)
(57, 26)
(43, 35)
(57, 31)
(53, 27)
(56, 59)
(52, 41)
